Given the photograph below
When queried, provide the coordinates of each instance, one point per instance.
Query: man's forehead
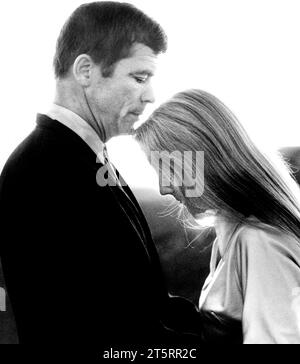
(141, 59)
(140, 49)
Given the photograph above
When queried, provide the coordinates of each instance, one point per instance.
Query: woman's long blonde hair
(240, 181)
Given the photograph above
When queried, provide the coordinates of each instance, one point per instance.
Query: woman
(255, 264)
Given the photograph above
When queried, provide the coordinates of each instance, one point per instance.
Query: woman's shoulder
(256, 236)
(262, 253)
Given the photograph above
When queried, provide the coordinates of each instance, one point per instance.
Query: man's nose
(148, 94)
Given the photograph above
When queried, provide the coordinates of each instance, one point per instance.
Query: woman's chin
(205, 218)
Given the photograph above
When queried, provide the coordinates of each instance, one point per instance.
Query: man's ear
(82, 69)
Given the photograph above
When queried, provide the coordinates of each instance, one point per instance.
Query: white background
(245, 52)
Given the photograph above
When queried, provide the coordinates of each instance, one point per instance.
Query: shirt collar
(80, 127)
(225, 229)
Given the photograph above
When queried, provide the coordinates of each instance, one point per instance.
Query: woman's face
(176, 179)
(195, 205)
(172, 190)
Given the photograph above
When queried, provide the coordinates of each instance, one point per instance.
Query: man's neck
(76, 102)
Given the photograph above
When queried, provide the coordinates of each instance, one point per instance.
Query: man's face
(118, 101)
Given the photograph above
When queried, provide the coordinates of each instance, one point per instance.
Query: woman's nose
(166, 190)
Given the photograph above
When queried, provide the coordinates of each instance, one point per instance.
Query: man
(78, 258)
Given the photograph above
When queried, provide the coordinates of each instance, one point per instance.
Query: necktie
(110, 168)
(124, 196)
(125, 200)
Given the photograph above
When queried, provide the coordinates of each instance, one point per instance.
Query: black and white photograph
(149, 176)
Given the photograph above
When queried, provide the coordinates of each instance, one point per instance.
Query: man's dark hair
(106, 31)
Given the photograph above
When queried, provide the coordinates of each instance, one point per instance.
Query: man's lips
(137, 112)
(134, 115)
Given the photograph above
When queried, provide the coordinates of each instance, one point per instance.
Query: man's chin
(131, 131)
(130, 128)
(127, 131)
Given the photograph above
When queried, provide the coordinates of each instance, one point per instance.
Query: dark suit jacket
(79, 261)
